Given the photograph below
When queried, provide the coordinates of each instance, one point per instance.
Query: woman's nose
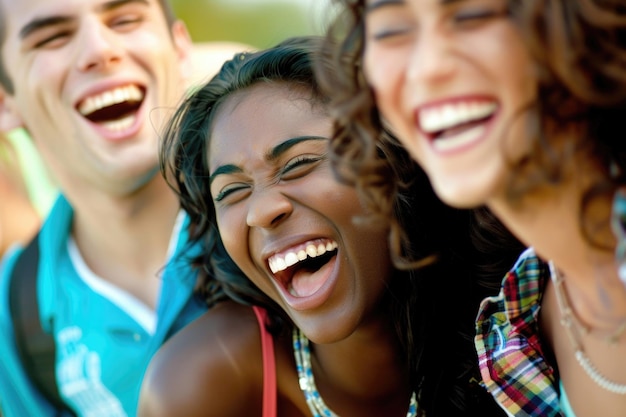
(431, 60)
(268, 208)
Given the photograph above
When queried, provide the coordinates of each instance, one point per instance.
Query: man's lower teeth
(120, 124)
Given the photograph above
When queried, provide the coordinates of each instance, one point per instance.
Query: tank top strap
(269, 365)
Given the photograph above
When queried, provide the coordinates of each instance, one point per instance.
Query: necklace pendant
(304, 384)
(614, 338)
(566, 321)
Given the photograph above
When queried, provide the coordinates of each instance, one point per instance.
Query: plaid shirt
(511, 358)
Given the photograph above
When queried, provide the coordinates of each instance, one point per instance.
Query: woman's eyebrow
(283, 147)
(376, 4)
(271, 155)
(224, 170)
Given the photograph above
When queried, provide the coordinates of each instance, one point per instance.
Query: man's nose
(99, 47)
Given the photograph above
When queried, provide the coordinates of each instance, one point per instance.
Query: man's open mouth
(114, 109)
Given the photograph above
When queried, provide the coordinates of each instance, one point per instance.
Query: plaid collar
(511, 359)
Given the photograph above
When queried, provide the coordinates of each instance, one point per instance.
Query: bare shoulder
(207, 368)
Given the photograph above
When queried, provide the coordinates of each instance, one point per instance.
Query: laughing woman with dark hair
(341, 327)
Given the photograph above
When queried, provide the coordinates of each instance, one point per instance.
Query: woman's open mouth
(452, 126)
(297, 268)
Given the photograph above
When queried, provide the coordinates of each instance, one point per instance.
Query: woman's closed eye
(299, 166)
(231, 190)
(390, 33)
(471, 16)
(294, 168)
(388, 22)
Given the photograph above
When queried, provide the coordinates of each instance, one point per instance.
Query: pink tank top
(269, 365)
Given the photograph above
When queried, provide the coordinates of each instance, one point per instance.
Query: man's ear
(9, 117)
(182, 43)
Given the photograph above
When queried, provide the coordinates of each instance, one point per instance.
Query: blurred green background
(260, 23)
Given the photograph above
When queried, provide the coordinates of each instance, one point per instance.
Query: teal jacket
(105, 338)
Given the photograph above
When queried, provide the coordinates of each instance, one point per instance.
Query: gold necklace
(567, 321)
(611, 339)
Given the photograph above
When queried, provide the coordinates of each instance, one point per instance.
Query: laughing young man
(92, 81)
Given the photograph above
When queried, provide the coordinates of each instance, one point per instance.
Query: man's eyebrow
(283, 147)
(224, 170)
(114, 4)
(42, 22)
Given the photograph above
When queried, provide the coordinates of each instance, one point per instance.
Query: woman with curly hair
(517, 105)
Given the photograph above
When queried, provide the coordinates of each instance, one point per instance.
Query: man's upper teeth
(436, 119)
(282, 261)
(109, 98)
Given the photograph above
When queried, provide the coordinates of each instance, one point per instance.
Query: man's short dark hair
(7, 83)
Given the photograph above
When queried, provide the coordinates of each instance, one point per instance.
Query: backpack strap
(35, 347)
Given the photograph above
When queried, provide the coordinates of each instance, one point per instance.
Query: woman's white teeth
(110, 98)
(461, 139)
(280, 262)
(291, 259)
(436, 119)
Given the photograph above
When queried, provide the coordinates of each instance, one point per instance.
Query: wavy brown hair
(579, 53)
(462, 255)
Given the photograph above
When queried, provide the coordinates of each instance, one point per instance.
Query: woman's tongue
(306, 282)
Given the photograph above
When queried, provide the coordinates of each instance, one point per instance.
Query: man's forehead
(18, 13)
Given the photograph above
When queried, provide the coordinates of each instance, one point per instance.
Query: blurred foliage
(257, 23)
